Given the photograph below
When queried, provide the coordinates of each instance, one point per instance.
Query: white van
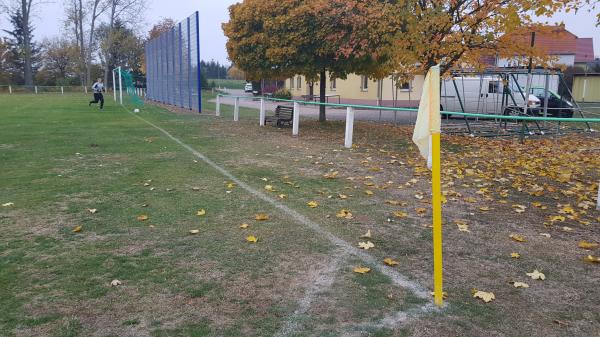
(483, 95)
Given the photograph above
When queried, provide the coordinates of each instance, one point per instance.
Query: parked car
(483, 95)
(248, 87)
(557, 105)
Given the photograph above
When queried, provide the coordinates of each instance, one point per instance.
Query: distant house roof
(585, 50)
(557, 41)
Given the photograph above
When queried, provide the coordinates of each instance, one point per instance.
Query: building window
(494, 87)
(364, 83)
(333, 84)
(299, 82)
(405, 86)
(292, 83)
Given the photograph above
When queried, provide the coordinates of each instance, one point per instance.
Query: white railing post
(296, 119)
(218, 108)
(114, 86)
(120, 87)
(349, 127)
(236, 110)
(262, 112)
(62, 90)
(10, 89)
(36, 89)
(85, 89)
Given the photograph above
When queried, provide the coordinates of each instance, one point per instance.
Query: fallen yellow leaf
(142, 217)
(520, 285)
(344, 213)
(362, 270)
(591, 259)
(252, 239)
(261, 217)
(201, 212)
(331, 175)
(366, 245)
(8, 204)
(77, 229)
(368, 192)
(557, 218)
(194, 231)
(92, 210)
(400, 214)
(390, 262)
(269, 188)
(485, 296)
(517, 238)
(244, 226)
(367, 235)
(515, 255)
(536, 275)
(342, 196)
(587, 245)
(282, 196)
(312, 204)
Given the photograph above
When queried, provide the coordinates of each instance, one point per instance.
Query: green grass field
(229, 84)
(60, 159)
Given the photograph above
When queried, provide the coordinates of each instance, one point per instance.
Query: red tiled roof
(558, 41)
(585, 50)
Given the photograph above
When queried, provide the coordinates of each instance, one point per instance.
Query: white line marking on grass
(323, 281)
(396, 277)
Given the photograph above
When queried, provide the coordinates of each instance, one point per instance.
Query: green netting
(130, 91)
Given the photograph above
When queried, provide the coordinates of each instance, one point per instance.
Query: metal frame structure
(173, 66)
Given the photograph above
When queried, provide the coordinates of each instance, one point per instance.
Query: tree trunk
(109, 43)
(322, 93)
(88, 69)
(28, 67)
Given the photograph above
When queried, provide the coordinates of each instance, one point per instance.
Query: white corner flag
(428, 119)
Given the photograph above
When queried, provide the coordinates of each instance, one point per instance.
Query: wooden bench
(283, 115)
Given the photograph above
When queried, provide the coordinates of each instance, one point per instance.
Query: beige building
(586, 87)
(357, 89)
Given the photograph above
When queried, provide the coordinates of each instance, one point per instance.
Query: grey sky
(49, 18)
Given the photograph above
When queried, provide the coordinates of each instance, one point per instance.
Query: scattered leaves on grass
(591, 259)
(244, 226)
(8, 204)
(344, 213)
(519, 208)
(261, 217)
(537, 275)
(517, 238)
(269, 188)
(462, 226)
(251, 239)
(201, 212)
(369, 192)
(484, 296)
(282, 196)
(312, 204)
(194, 231)
(343, 196)
(587, 245)
(195, 189)
(362, 270)
(546, 235)
(92, 210)
(558, 218)
(142, 217)
(562, 323)
(77, 229)
(390, 262)
(515, 255)
(115, 283)
(366, 245)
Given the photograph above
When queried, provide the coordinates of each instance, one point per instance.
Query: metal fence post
(236, 110)
(10, 89)
(36, 89)
(218, 108)
(120, 87)
(114, 86)
(296, 119)
(349, 127)
(262, 112)
(62, 90)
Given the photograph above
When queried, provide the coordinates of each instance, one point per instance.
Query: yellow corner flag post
(427, 138)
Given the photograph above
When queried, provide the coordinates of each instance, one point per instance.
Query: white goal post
(117, 72)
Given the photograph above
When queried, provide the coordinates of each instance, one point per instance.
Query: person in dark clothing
(98, 88)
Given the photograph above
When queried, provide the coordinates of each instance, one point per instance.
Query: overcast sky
(49, 17)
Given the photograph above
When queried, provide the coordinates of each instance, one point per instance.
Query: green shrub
(282, 93)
